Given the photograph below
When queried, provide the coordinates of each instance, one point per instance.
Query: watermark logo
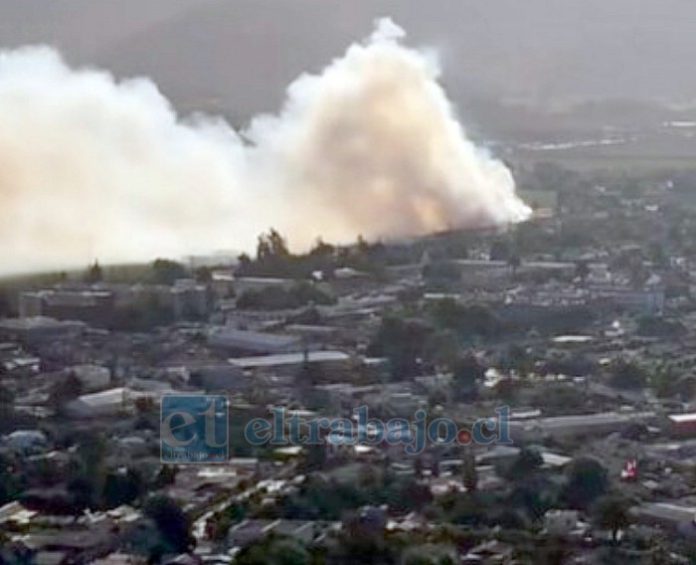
(289, 428)
(194, 429)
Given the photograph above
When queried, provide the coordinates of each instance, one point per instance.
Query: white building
(92, 377)
(99, 404)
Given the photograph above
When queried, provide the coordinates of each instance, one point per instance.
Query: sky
(237, 56)
(304, 109)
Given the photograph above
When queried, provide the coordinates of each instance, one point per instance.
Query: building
(576, 426)
(647, 299)
(222, 283)
(189, 299)
(249, 342)
(92, 377)
(26, 441)
(99, 404)
(21, 365)
(560, 522)
(213, 375)
(93, 306)
(291, 362)
(246, 284)
(664, 514)
(682, 425)
(39, 329)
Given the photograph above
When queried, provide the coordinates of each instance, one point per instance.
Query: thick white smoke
(90, 167)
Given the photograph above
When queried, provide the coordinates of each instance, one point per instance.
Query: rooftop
(288, 359)
(253, 341)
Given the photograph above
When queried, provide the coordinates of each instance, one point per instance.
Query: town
(581, 320)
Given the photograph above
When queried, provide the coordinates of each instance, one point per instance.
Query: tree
(467, 508)
(467, 372)
(122, 488)
(94, 273)
(171, 523)
(627, 375)
(514, 262)
(657, 326)
(500, 250)
(587, 480)
(429, 554)
(204, 275)
(82, 493)
(10, 482)
(322, 249)
(361, 245)
(244, 262)
(218, 525)
(403, 342)
(611, 513)
(442, 349)
(165, 271)
(403, 494)
(91, 452)
(7, 412)
(314, 458)
(582, 270)
(272, 245)
(527, 462)
(4, 304)
(507, 390)
(534, 495)
(65, 390)
(166, 476)
(441, 273)
(272, 298)
(274, 550)
(418, 467)
(362, 540)
(517, 359)
(88, 473)
(467, 321)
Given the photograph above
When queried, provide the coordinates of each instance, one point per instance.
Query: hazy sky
(237, 56)
(91, 168)
(371, 145)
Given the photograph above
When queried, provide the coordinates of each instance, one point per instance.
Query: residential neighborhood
(586, 335)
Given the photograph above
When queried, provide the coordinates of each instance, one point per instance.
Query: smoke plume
(91, 167)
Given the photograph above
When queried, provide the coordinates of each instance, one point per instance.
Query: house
(14, 514)
(560, 522)
(682, 425)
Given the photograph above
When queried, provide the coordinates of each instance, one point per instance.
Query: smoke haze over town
(95, 167)
(325, 282)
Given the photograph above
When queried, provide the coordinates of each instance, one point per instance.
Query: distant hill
(237, 56)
